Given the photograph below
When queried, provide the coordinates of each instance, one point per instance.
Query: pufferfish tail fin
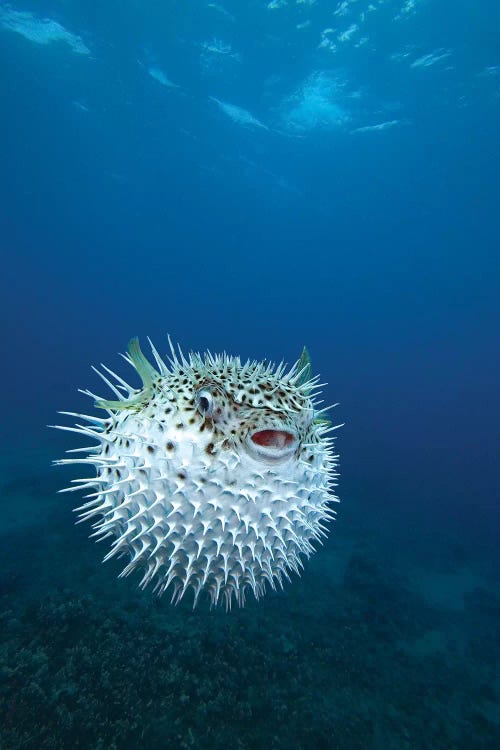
(146, 372)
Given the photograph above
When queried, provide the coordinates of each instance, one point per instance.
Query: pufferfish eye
(205, 402)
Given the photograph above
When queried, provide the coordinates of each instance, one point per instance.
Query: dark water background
(362, 220)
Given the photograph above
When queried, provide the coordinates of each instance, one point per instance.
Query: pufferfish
(216, 477)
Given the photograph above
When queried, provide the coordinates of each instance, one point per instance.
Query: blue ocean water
(255, 177)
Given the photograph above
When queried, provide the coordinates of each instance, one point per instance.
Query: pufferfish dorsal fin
(304, 367)
(146, 372)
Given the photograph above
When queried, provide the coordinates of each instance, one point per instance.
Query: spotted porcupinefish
(216, 476)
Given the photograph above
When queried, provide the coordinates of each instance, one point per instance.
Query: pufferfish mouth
(272, 444)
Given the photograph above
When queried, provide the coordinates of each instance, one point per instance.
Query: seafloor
(389, 640)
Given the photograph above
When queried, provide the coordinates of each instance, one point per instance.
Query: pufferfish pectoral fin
(145, 369)
(146, 372)
(304, 366)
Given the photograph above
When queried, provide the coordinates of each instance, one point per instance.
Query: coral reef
(361, 661)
